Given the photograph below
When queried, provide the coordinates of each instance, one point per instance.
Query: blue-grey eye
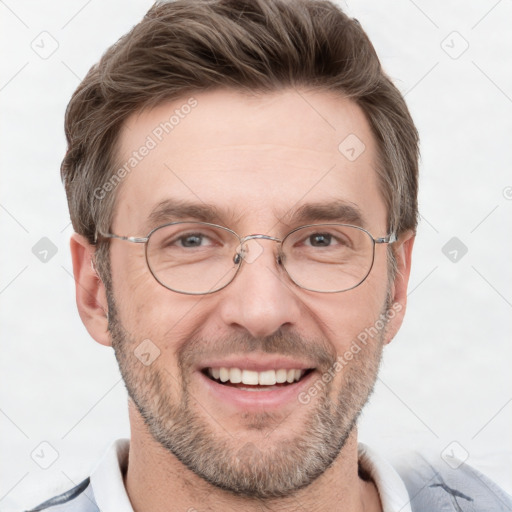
(191, 240)
(320, 240)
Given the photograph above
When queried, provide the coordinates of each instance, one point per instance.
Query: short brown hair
(186, 46)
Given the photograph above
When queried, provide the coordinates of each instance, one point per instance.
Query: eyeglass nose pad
(239, 254)
(250, 251)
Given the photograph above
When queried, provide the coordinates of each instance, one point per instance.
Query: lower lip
(255, 399)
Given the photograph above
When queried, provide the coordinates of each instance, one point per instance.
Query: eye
(319, 240)
(327, 239)
(193, 240)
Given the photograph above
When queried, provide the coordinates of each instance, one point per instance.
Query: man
(242, 181)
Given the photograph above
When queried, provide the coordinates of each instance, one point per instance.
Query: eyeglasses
(199, 258)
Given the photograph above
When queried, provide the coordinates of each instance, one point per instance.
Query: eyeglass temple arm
(133, 239)
(387, 239)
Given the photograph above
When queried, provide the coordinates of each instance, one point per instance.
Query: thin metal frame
(389, 239)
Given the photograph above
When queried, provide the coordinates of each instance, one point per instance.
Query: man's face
(256, 160)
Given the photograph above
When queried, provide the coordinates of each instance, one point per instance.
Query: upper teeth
(265, 378)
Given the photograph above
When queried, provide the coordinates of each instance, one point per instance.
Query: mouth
(255, 382)
(252, 380)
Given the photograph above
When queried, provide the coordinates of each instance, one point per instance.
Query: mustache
(196, 348)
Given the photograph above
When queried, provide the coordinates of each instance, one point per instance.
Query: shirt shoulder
(458, 488)
(78, 499)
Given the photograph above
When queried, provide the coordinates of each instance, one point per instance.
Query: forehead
(247, 159)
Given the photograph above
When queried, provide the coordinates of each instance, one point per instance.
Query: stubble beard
(261, 469)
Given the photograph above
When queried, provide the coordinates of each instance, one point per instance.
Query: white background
(446, 377)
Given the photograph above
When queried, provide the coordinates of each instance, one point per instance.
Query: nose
(261, 299)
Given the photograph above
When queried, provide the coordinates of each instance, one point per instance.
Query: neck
(156, 479)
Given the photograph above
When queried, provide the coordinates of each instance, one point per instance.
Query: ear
(403, 255)
(91, 297)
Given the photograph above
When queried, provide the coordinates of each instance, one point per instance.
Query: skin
(285, 157)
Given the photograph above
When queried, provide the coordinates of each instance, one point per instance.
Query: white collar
(110, 493)
(107, 479)
(392, 491)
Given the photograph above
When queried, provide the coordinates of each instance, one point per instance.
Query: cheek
(141, 301)
(131, 282)
(150, 311)
(147, 310)
(345, 317)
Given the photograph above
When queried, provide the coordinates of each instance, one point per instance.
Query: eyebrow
(171, 210)
(333, 211)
